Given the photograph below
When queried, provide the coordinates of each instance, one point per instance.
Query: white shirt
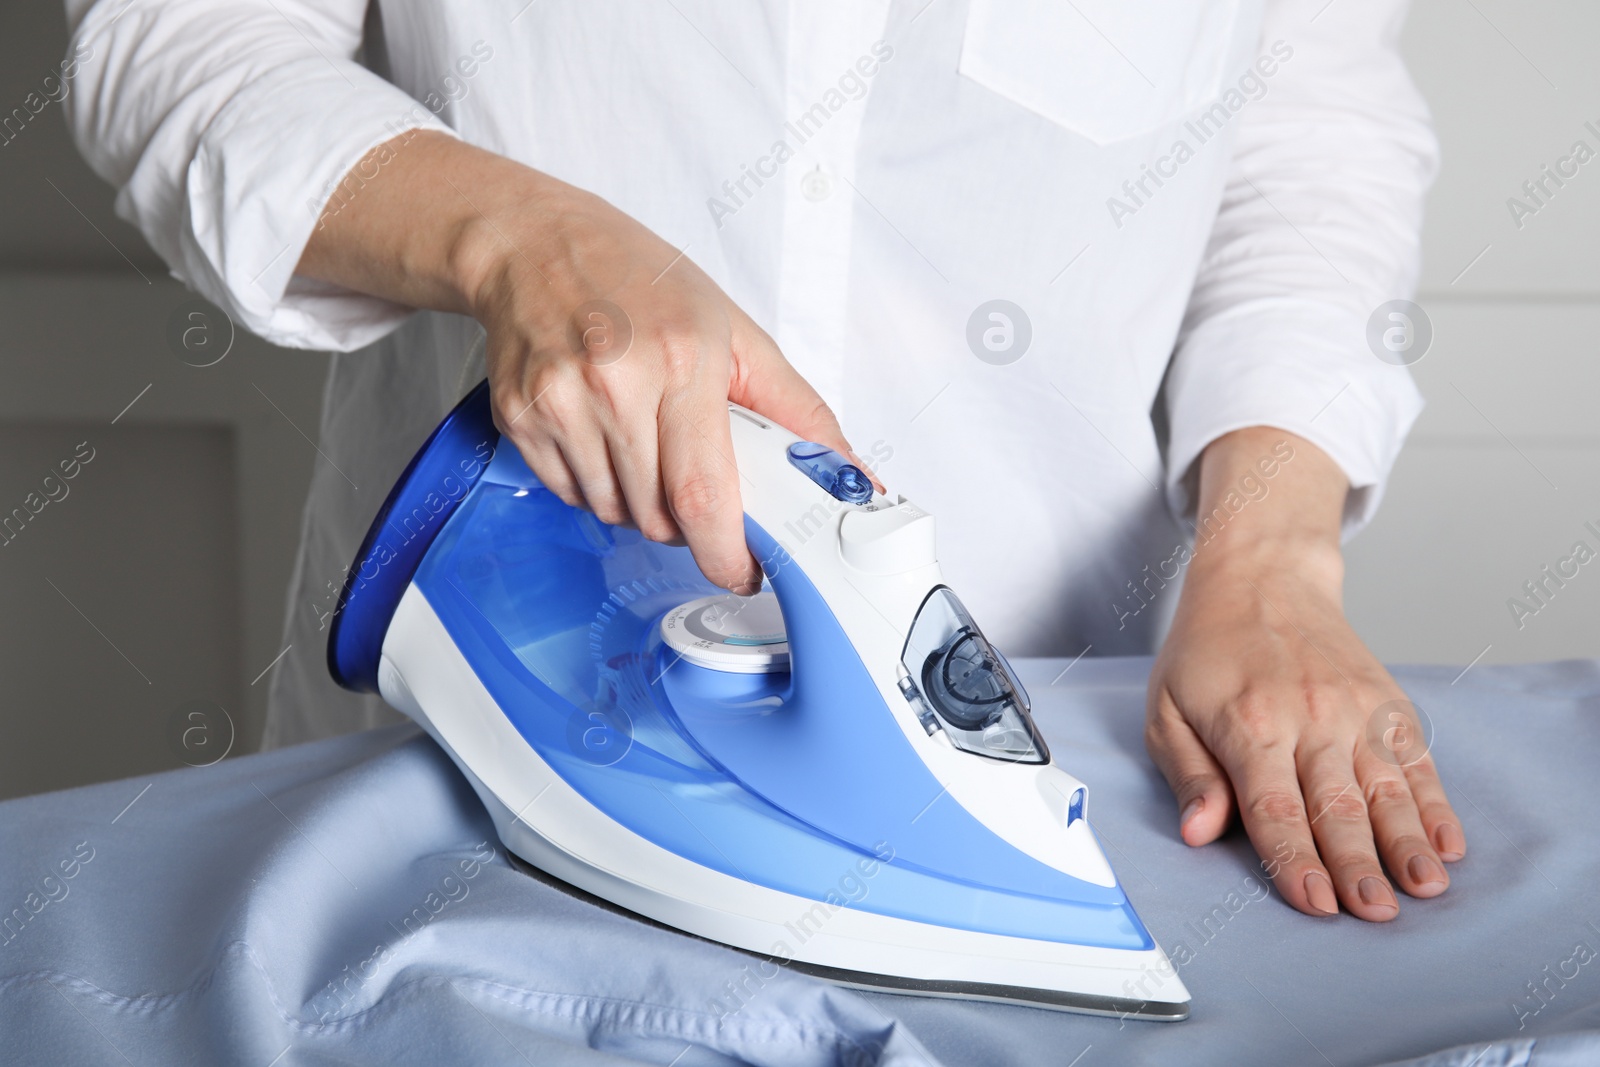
(1196, 204)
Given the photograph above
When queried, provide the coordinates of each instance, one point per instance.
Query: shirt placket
(826, 40)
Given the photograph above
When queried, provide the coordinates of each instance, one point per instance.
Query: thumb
(1205, 798)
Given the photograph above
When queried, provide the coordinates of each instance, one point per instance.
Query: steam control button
(837, 475)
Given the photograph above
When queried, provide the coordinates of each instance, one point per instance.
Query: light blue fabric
(338, 903)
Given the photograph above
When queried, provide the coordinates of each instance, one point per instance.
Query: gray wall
(1500, 474)
(154, 589)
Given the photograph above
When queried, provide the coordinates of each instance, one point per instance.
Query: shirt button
(816, 185)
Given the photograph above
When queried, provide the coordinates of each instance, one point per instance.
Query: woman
(1089, 282)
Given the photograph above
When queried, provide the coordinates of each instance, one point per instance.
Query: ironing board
(346, 902)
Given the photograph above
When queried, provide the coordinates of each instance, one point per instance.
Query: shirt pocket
(1105, 69)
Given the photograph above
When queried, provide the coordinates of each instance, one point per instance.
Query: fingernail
(1376, 892)
(1319, 891)
(1449, 842)
(1424, 871)
(1190, 811)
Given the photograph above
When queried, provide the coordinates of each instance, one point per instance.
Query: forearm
(423, 219)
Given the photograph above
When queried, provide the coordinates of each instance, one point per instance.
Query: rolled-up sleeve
(226, 126)
(1319, 225)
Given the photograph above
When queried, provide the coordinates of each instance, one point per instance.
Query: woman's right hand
(611, 356)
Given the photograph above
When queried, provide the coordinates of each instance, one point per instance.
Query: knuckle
(551, 475)
(657, 527)
(504, 407)
(555, 396)
(724, 570)
(696, 499)
(608, 392)
(1408, 844)
(1353, 863)
(609, 509)
(1424, 771)
(545, 463)
(548, 399)
(1276, 805)
(1324, 702)
(1437, 811)
(1255, 717)
(1343, 805)
(1386, 792)
(1156, 732)
(1192, 784)
(680, 352)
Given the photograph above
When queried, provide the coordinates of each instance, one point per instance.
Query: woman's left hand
(1264, 703)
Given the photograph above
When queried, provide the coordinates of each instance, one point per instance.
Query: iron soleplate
(1050, 999)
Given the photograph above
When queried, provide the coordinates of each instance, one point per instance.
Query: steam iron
(839, 773)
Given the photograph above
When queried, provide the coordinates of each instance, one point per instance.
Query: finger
(1396, 737)
(1439, 816)
(515, 387)
(1439, 819)
(1342, 825)
(768, 384)
(584, 449)
(548, 465)
(1205, 800)
(862, 465)
(701, 483)
(1274, 816)
(1397, 828)
(636, 459)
